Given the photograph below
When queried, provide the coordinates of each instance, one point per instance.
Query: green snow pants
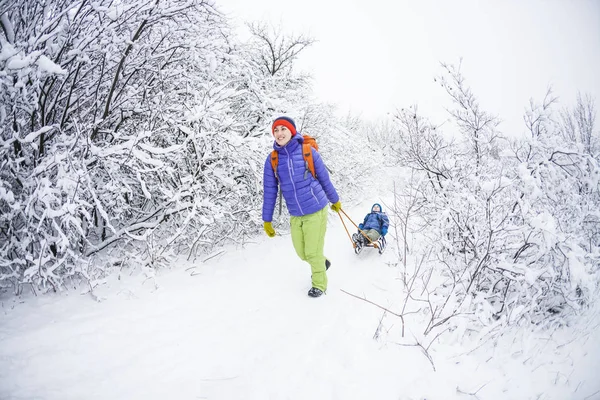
(308, 237)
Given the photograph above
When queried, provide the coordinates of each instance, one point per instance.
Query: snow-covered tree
(510, 225)
(126, 125)
(579, 124)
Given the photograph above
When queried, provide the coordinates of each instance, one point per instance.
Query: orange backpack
(309, 142)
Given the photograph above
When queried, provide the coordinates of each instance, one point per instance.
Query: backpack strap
(308, 158)
(274, 162)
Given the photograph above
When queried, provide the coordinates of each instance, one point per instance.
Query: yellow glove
(269, 229)
(336, 207)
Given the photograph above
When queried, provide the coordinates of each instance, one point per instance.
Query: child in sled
(374, 226)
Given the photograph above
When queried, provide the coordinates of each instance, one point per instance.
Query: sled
(360, 240)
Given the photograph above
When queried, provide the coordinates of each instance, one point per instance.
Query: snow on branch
(511, 221)
(131, 134)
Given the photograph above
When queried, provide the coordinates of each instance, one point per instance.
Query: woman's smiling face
(282, 135)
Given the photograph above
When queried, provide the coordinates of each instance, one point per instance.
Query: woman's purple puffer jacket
(303, 193)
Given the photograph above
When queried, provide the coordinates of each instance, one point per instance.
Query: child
(375, 224)
(306, 198)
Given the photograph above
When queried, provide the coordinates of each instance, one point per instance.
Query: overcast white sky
(377, 55)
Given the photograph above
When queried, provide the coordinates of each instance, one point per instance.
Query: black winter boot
(315, 292)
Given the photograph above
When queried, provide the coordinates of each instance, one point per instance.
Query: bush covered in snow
(132, 132)
(511, 225)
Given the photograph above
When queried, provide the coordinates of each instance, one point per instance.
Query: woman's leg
(297, 236)
(308, 237)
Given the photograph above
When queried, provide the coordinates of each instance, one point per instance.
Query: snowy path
(243, 328)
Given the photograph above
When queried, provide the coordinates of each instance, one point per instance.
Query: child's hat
(377, 204)
(285, 121)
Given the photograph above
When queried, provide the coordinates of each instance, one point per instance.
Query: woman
(306, 197)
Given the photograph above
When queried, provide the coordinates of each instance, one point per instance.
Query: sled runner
(360, 241)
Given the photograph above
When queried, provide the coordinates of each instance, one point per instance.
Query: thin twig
(591, 396)
(437, 336)
(214, 255)
(370, 302)
(417, 344)
(378, 330)
(474, 394)
(427, 355)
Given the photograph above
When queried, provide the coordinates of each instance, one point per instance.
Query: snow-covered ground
(240, 326)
